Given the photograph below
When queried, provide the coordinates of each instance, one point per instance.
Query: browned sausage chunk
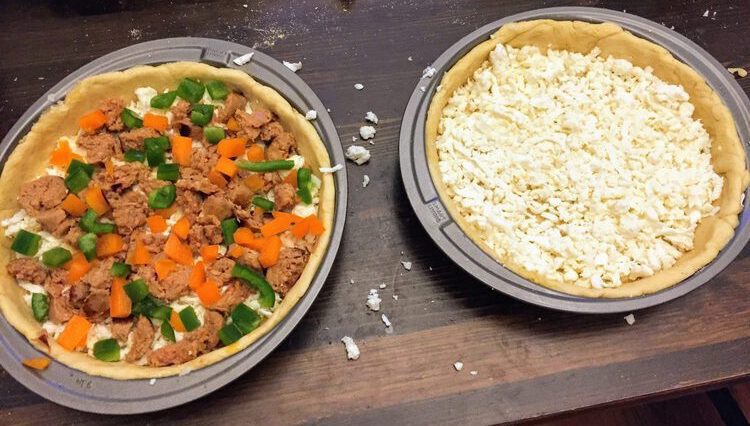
(220, 271)
(129, 211)
(190, 203)
(100, 276)
(240, 194)
(195, 181)
(284, 196)
(120, 329)
(50, 219)
(27, 269)
(143, 337)
(235, 294)
(173, 286)
(99, 147)
(96, 306)
(218, 206)
(193, 344)
(284, 274)
(180, 111)
(206, 230)
(232, 103)
(112, 108)
(44, 193)
(133, 139)
(270, 131)
(282, 147)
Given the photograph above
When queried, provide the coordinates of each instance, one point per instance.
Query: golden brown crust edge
(727, 154)
(62, 119)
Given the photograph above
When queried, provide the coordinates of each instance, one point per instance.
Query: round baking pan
(451, 239)
(72, 388)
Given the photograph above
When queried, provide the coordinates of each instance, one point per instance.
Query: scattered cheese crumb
(152, 382)
(367, 132)
(242, 60)
(371, 117)
(294, 66)
(630, 319)
(352, 351)
(383, 285)
(245, 6)
(705, 14)
(354, 139)
(458, 365)
(358, 154)
(741, 72)
(406, 265)
(351, 281)
(409, 59)
(395, 297)
(333, 169)
(386, 321)
(311, 115)
(359, 86)
(365, 181)
(422, 88)
(473, 372)
(373, 300)
(429, 72)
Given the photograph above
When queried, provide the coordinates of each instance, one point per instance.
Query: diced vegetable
(40, 306)
(263, 203)
(77, 268)
(155, 149)
(109, 245)
(87, 245)
(276, 226)
(166, 213)
(89, 224)
(251, 278)
(163, 268)
(254, 182)
(300, 229)
(73, 205)
(56, 257)
(107, 350)
(243, 236)
(80, 165)
(120, 304)
(190, 90)
(291, 178)
(120, 270)
(163, 197)
(213, 134)
(182, 228)
(208, 293)
(269, 255)
(169, 172)
(140, 254)
(265, 166)
(182, 150)
(136, 290)
(311, 224)
(95, 200)
(156, 224)
(228, 226)
(92, 121)
(130, 119)
(75, 332)
(145, 306)
(257, 244)
(164, 100)
(189, 319)
(161, 312)
(109, 167)
(304, 182)
(217, 90)
(77, 181)
(161, 142)
(236, 251)
(197, 275)
(63, 155)
(175, 322)
(156, 122)
(256, 153)
(226, 166)
(217, 178)
(39, 363)
(231, 148)
(245, 319)
(27, 243)
(201, 114)
(167, 331)
(210, 253)
(233, 125)
(229, 334)
(178, 251)
(134, 155)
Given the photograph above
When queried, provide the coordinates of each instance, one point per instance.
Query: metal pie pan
(438, 223)
(75, 389)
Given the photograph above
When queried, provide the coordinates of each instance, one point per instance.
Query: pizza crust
(727, 153)
(28, 161)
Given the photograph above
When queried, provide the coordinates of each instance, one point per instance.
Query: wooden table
(530, 362)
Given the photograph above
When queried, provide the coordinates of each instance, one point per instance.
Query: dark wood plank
(741, 394)
(442, 315)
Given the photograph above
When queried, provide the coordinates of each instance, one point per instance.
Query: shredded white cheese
(244, 59)
(352, 350)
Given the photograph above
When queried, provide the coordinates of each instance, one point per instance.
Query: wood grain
(531, 362)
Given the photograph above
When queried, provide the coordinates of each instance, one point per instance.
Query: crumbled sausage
(126, 175)
(99, 147)
(240, 194)
(56, 282)
(173, 286)
(193, 344)
(206, 230)
(143, 337)
(258, 118)
(249, 128)
(195, 181)
(218, 206)
(129, 211)
(46, 192)
(100, 275)
(284, 197)
(78, 293)
(154, 242)
(180, 111)
(232, 103)
(270, 180)
(270, 131)
(189, 202)
(284, 274)
(220, 271)
(283, 146)
(50, 219)
(255, 221)
(146, 273)
(60, 310)
(27, 269)
(112, 108)
(120, 328)
(187, 128)
(69, 231)
(96, 306)
(133, 139)
(235, 294)
(250, 258)
(204, 159)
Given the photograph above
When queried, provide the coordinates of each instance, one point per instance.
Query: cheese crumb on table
(352, 350)
(705, 14)
(406, 265)
(311, 115)
(473, 372)
(333, 169)
(373, 300)
(359, 86)
(386, 321)
(365, 181)
(152, 382)
(358, 154)
(630, 319)
(366, 132)
(382, 286)
(741, 72)
(458, 365)
(242, 60)
(294, 66)
(428, 72)
(371, 117)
